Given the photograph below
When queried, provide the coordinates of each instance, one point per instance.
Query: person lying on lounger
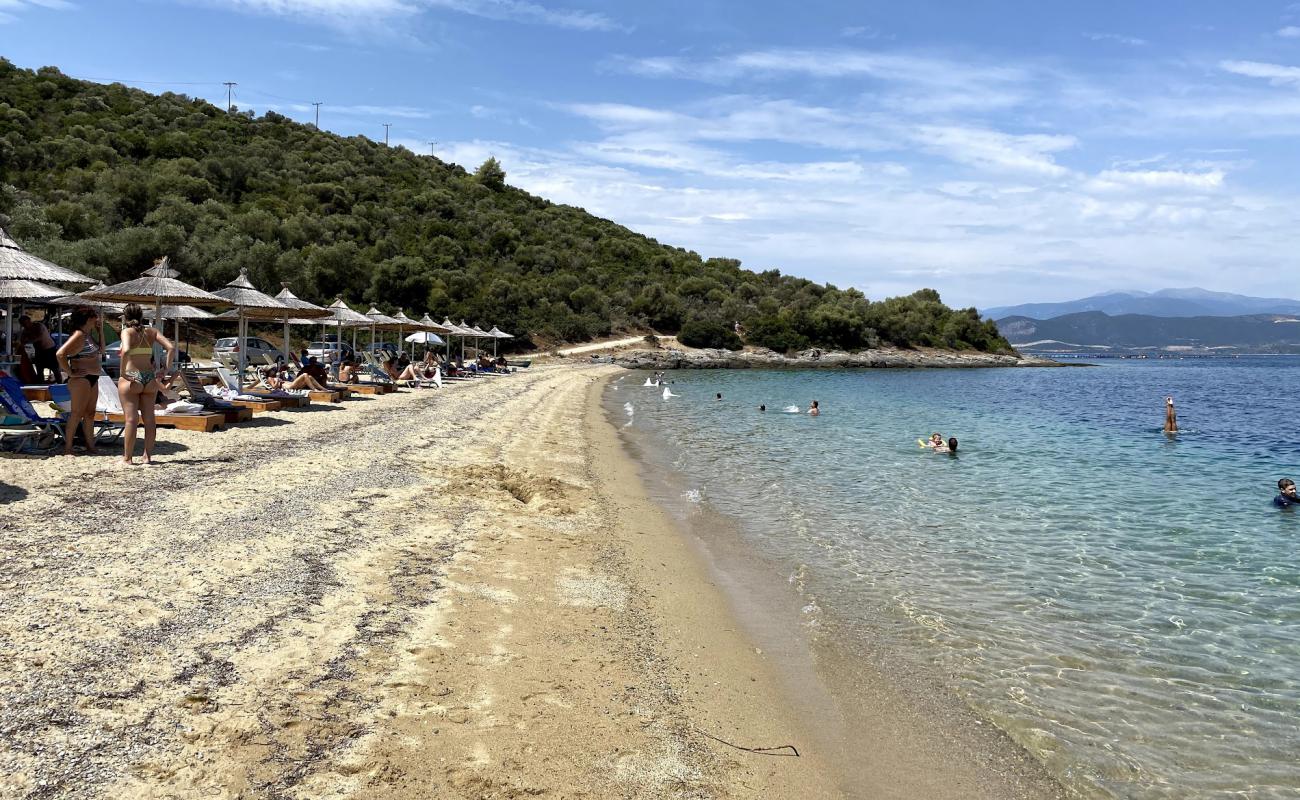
(272, 380)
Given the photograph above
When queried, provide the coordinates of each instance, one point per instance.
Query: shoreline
(886, 724)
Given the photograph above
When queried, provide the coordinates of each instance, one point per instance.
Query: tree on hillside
(491, 174)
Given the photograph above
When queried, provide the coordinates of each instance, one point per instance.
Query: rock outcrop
(760, 358)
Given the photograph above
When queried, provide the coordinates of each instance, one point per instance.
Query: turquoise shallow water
(1124, 605)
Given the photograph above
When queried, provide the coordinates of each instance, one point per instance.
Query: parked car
(254, 350)
(327, 352)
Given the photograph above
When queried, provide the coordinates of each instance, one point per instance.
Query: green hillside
(103, 179)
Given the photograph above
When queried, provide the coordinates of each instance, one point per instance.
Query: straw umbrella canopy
(403, 321)
(304, 313)
(345, 317)
(21, 289)
(16, 264)
(381, 321)
(455, 330)
(497, 334)
(249, 303)
(155, 285)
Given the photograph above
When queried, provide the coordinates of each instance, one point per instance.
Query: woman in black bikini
(139, 384)
(80, 359)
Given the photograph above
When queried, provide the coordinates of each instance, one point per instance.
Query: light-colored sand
(455, 594)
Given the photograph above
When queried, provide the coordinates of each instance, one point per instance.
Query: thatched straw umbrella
(304, 313)
(344, 316)
(403, 321)
(455, 330)
(156, 284)
(381, 321)
(249, 304)
(16, 264)
(497, 334)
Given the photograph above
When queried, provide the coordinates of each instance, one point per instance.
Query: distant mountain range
(1097, 332)
(1164, 303)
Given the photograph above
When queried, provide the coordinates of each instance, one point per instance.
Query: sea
(1123, 604)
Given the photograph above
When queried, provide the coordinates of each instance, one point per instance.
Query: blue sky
(997, 151)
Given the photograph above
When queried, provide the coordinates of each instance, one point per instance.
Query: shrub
(705, 333)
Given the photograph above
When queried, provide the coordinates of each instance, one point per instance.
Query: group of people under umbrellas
(149, 358)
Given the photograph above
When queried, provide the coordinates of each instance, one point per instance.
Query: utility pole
(317, 115)
(230, 95)
(432, 145)
(387, 125)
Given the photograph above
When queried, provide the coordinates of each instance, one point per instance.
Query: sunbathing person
(272, 380)
(348, 372)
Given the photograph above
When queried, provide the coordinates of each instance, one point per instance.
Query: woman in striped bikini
(80, 359)
(139, 384)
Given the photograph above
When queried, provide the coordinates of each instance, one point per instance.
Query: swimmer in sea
(814, 410)
(1286, 494)
(1171, 418)
(719, 395)
(763, 407)
(936, 441)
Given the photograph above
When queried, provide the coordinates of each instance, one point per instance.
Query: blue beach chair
(15, 402)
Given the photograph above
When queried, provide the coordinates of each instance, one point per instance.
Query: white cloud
(995, 150)
(531, 13)
(1289, 32)
(1118, 38)
(1277, 74)
(9, 9)
(1157, 179)
(370, 12)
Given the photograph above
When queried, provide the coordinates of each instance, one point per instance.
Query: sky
(998, 151)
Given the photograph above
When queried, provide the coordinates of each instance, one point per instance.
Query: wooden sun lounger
(257, 406)
(286, 400)
(206, 422)
(36, 393)
(371, 388)
(329, 396)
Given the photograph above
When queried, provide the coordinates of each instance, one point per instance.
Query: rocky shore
(759, 358)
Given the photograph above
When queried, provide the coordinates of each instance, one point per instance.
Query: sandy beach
(462, 593)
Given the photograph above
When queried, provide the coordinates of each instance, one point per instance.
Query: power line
(230, 95)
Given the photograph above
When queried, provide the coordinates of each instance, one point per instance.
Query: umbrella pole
(9, 329)
(243, 345)
(286, 341)
(158, 321)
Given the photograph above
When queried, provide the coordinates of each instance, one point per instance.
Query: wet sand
(463, 593)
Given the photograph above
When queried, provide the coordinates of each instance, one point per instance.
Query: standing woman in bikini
(139, 385)
(80, 358)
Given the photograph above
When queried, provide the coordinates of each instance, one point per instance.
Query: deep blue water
(1124, 604)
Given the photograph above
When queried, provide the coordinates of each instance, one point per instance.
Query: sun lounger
(260, 399)
(106, 431)
(232, 410)
(22, 439)
(13, 401)
(37, 394)
(110, 402)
